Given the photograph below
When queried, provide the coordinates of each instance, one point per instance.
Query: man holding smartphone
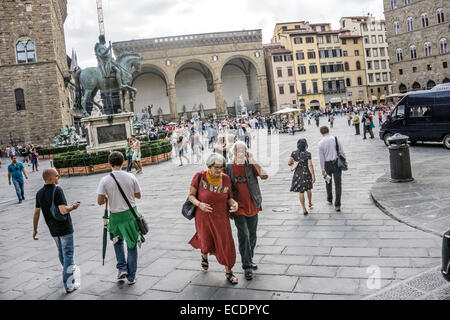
(61, 230)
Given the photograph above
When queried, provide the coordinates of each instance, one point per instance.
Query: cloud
(157, 18)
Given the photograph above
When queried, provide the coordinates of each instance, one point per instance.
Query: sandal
(305, 213)
(310, 205)
(231, 278)
(205, 264)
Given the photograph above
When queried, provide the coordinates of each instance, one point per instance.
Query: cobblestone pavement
(429, 285)
(423, 203)
(322, 256)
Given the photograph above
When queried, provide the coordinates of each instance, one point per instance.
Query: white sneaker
(74, 287)
(122, 276)
(130, 283)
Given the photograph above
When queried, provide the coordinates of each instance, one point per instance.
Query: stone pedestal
(109, 131)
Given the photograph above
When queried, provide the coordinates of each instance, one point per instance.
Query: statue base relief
(108, 132)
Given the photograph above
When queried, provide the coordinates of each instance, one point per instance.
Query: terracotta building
(34, 96)
(281, 79)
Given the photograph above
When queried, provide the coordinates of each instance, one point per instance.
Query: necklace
(213, 181)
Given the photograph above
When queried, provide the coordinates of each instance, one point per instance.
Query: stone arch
(237, 73)
(402, 88)
(152, 68)
(259, 71)
(152, 84)
(431, 84)
(446, 80)
(416, 86)
(202, 62)
(188, 78)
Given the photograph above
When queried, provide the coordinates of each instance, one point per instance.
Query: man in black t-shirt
(61, 231)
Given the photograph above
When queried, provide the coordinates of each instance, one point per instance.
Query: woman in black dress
(304, 176)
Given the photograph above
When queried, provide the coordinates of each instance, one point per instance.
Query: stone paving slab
(423, 203)
(324, 255)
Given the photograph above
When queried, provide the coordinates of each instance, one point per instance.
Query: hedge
(78, 159)
(59, 150)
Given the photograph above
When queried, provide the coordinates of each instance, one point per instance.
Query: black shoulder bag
(341, 161)
(188, 210)
(143, 227)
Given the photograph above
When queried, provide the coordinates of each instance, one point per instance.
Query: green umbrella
(105, 231)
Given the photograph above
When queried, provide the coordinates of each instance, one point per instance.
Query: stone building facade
(328, 72)
(188, 74)
(34, 96)
(375, 53)
(418, 36)
(281, 78)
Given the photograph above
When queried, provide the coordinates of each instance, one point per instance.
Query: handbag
(341, 161)
(188, 209)
(55, 210)
(143, 227)
(294, 165)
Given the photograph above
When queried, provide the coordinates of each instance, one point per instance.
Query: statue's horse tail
(78, 93)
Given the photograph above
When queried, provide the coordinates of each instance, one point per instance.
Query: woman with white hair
(211, 193)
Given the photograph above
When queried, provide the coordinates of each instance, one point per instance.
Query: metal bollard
(400, 159)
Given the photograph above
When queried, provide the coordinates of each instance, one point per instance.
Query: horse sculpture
(90, 80)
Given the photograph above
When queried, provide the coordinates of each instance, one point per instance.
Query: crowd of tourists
(227, 190)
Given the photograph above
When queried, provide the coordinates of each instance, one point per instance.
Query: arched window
(25, 52)
(410, 23)
(396, 27)
(431, 84)
(443, 45)
(424, 20)
(348, 82)
(358, 65)
(427, 48)
(416, 86)
(399, 55)
(20, 99)
(402, 88)
(394, 4)
(440, 15)
(413, 51)
(446, 80)
(346, 66)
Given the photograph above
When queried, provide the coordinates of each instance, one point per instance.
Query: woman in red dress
(214, 202)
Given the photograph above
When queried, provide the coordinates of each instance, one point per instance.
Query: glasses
(58, 176)
(218, 167)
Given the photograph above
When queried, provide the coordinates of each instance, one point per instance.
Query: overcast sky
(140, 19)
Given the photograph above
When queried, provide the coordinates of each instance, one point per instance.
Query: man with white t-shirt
(122, 222)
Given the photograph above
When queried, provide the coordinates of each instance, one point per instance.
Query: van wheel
(446, 142)
(386, 137)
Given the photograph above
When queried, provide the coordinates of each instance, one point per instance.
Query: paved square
(325, 255)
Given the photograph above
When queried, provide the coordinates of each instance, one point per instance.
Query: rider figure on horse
(106, 61)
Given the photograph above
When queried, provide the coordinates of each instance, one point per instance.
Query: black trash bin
(400, 159)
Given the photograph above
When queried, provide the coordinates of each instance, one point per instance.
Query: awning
(335, 100)
(287, 110)
(374, 98)
(382, 97)
(314, 103)
(395, 95)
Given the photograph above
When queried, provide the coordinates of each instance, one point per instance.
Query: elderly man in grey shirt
(328, 156)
